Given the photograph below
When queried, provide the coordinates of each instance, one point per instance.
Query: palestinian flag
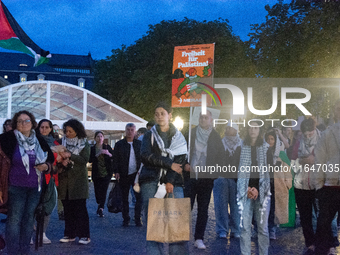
(12, 37)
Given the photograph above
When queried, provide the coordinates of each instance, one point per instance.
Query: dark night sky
(98, 26)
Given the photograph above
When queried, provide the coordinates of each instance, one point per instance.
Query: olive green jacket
(74, 181)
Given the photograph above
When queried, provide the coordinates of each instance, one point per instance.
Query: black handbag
(115, 202)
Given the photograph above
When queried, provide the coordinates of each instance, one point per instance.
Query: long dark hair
(273, 134)
(77, 126)
(259, 140)
(37, 130)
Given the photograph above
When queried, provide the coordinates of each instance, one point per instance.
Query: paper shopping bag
(169, 220)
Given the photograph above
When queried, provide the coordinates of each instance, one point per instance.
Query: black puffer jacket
(153, 161)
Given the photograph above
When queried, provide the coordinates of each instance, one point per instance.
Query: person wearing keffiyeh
(29, 156)
(164, 157)
(304, 186)
(280, 182)
(253, 189)
(225, 189)
(73, 186)
(206, 150)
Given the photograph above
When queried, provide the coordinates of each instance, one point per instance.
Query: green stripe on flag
(42, 60)
(15, 44)
(284, 157)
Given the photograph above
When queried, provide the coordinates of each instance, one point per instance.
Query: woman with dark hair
(102, 169)
(45, 129)
(163, 153)
(253, 189)
(303, 185)
(24, 157)
(280, 182)
(73, 186)
(7, 126)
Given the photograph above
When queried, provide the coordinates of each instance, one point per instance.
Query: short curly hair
(77, 126)
(16, 116)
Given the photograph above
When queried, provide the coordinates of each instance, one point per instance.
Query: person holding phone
(27, 156)
(102, 169)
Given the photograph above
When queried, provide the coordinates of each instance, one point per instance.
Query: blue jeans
(224, 194)
(22, 203)
(251, 208)
(148, 190)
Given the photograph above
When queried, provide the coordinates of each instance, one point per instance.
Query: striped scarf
(178, 144)
(243, 178)
(231, 143)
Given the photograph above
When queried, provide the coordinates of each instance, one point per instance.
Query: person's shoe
(272, 236)
(100, 212)
(125, 223)
(222, 236)
(66, 239)
(45, 239)
(199, 244)
(233, 235)
(139, 224)
(84, 240)
(31, 242)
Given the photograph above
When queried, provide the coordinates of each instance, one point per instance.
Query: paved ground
(109, 237)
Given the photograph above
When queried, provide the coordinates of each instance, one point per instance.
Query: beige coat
(327, 158)
(282, 183)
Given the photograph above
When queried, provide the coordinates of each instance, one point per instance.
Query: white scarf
(231, 143)
(178, 144)
(74, 145)
(307, 144)
(28, 144)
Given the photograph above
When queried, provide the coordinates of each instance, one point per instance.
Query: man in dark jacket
(206, 150)
(126, 158)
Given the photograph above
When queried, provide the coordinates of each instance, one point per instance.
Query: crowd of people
(247, 204)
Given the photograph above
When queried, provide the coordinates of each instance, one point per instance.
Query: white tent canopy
(58, 102)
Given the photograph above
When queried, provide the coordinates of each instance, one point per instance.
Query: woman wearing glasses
(24, 157)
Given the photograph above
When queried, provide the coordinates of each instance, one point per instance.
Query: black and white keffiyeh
(74, 145)
(230, 143)
(178, 144)
(244, 176)
(307, 144)
(28, 144)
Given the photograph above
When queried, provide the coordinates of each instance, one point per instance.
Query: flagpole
(189, 139)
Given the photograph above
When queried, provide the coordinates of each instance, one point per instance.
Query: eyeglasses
(21, 122)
